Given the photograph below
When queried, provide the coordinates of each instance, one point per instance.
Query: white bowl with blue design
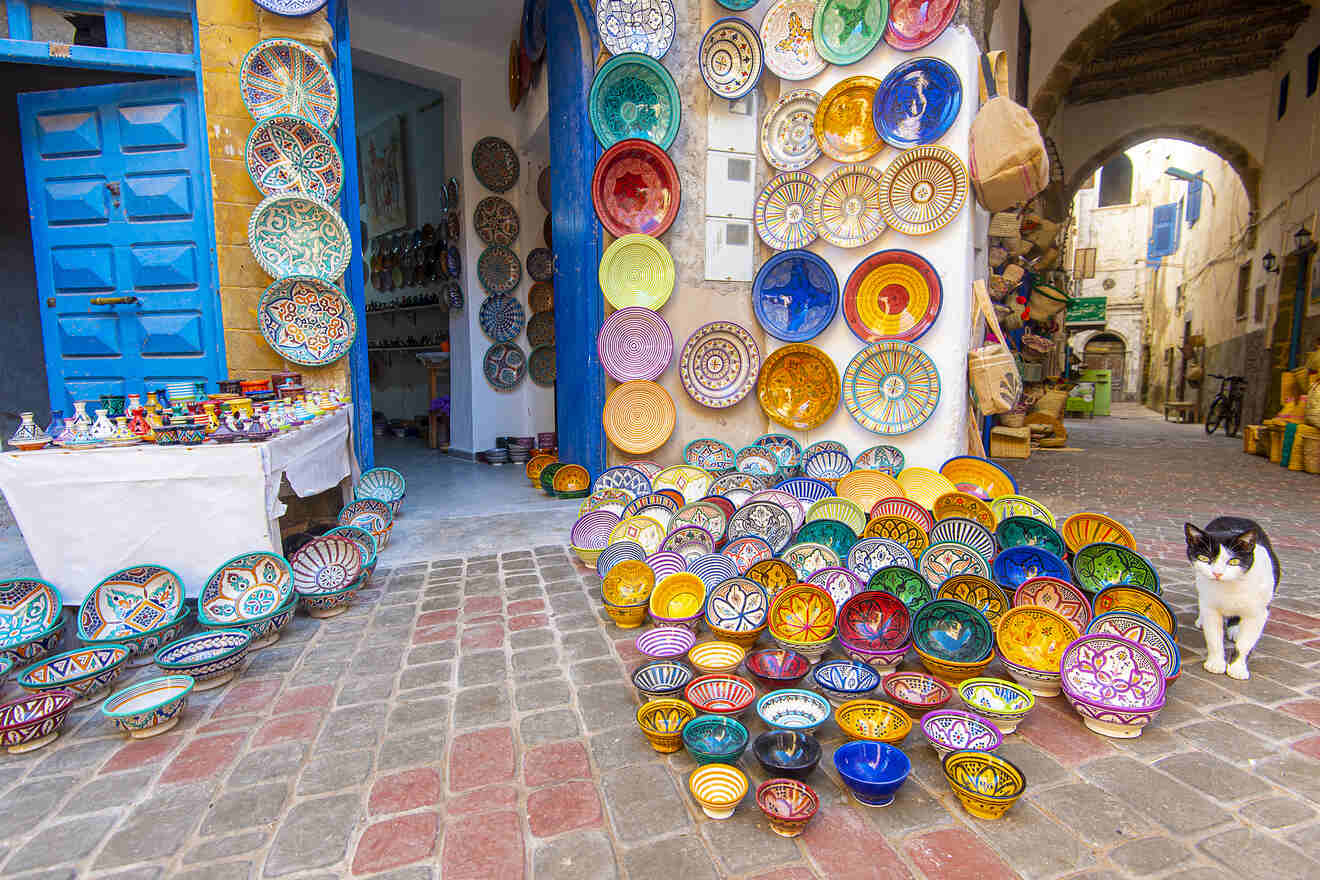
(844, 680)
(151, 707)
(211, 657)
(793, 709)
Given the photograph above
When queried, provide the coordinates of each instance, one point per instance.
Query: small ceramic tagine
(80, 417)
(102, 428)
(139, 426)
(29, 435)
(56, 426)
(122, 435)
(79, 434)
(132, 402)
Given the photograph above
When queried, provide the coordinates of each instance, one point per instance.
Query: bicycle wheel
(1215, 415)
(1233, 418)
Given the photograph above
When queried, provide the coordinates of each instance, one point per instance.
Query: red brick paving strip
(142, 751)
(1307, 710)
(955, 854)
(845, 847)
(480, 758)
(203, 758)
(405, 791)
(482, 800)
(566, 807)
(483, 847)
(396, 842)
(557, 762)
(296, 728)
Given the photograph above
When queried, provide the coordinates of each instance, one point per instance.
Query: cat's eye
(1201, 557)
(1235, 561)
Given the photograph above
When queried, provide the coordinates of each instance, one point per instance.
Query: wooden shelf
(402, 309)
(434, 347)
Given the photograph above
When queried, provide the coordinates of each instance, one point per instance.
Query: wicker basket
(1013, 419)
(1276, 445)
(1010, 442)
(1311, 455)
(1251, 440)
(1052, 403)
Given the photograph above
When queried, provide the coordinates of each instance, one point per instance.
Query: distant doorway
(1105, 351)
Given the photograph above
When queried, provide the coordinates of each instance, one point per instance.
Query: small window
(740, 169)
(1283, 96)
(1084, 263)
(738, 234)
(1312, 71)
(1243, 289)
(1116, 181)
(1258, 314)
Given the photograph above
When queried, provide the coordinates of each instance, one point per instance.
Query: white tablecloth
(87, 514)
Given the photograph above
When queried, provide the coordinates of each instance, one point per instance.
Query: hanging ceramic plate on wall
(645, 26)
(893, 294)
(795, 295)
(292, 8)
(891, 387)
(541, 365)
(846, 31)
(502, 317)
(504, 366)
(638, 417)
(288, 154)
(633, 96)
(533, 28)
(541, 264)
(788, 133)
(297, 235)
(541, 329)
(284, 76)
(737, 5)
(496, 221)
(307, 320)
(783, 211)
(917, 103)
(541, 297)
(634, 343)
(916, 23)
(636, 270)
(453, 262)
(844, 126)
(731, 58)
(719, 364)
(790, 51)
(798, 386)
(923, 189)
(848, 209)
(635, 188)
(498, 269)
(495, 164)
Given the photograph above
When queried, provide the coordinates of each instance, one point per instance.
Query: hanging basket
(1046, 301)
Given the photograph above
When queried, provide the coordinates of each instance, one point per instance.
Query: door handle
(113, 300)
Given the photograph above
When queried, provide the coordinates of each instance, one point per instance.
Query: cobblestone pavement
(471, 718)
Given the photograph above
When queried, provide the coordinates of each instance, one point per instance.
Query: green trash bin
(1102, 380)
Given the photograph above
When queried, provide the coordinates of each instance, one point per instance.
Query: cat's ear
(1194, 535)
(1246, 542)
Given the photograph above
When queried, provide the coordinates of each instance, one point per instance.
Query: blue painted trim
(172, 8)
(96, 57)
(579, 306)
(1299, 307)
(116, 35)
(359, 371)
(20, 20)
(208, 200)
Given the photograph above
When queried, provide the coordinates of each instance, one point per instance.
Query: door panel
(115, 178)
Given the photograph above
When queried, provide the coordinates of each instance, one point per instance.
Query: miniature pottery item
(1031, 641)
(151, 707)
(633, 96)
(788, 132)
(661, 679)
(130, 602)
(89, 673)
(844, 680)
(777, 668)
(714, 739)
(717, 789)
(787, 753)
(873, 720)
(986, 784)
(246, 587)
(28, 435)
(948, 730)
(285, 77)
(665, 642)
(1114, 684)
(296, 235)
(793, 709)
(290, 154)
(211, 657)
(720, 694)
(1145, 632)
(663, 721)
(30, 722)
(873, 771)
(1002, 702)
(638, 416)
(916, 692)
(630, 26)
(715, 657)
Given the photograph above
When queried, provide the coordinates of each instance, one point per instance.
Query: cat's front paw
(1238, 671)
(1215, 666)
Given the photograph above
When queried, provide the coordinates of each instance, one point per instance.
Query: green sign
(1087, 310)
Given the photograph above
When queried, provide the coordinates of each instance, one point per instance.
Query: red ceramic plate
(876, 621)
(635, 188)
(916, 23)
(893, 294)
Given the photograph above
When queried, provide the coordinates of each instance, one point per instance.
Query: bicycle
(1226, 408)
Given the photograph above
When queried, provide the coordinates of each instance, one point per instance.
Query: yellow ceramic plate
(845, 128)
(923, 485)
(1081, 529)
(692, 482)
(1020, 505)
(638, 417)
(642, 529)
(841, 509)
(1034, 636)
(799, 386)
(961, 504)
(636, 270)
(865, 488)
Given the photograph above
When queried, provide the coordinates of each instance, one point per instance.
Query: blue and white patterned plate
(288, 154)
(284, 76)
(806, 490)
(827, 464)
(130, 601)
(246, 587)
(731, 58)
(629, 478)
(713, 569)
(28, 607)
(917, 102)
(502, 317)
(785, 448)
(307, 320)
(738, 604)
(969, 532)
(869, 555)
(298, 235)
(943, 560)
(292, 8)
(645, 26)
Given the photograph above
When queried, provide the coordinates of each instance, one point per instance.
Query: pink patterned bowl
(948, 730)
(720, 694)
(326, 565)
(1057, 595)
(1116, 685)
(916, 692)
(664, 642)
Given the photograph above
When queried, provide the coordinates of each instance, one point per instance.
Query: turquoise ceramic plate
(633, 96)
(845, 31)
(891, 387)
(297, 235)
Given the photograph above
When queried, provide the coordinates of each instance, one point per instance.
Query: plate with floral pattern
(129, 602)
(719, 364)
(289, 154)
(645, 26)
(495, 164)
(283, 76)
(496, 221)
(798, 386)
(298, 235)
(498, 269)
(788, 132)
(731, 58)
(633, 96)
(790, 50)
(247, 587)
(765, 520)
(942, 560)
(307, 320)
(504, 365)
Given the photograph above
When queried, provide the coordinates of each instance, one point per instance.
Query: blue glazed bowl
(793, 709)
(211, 657)
(873, 771)
(844, 680)
(715, 739)
(662, 679)
(1017, 565)
(790, 753)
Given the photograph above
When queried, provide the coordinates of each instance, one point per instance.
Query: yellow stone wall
(228, 29)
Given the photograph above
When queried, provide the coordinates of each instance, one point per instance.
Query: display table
(89, 513)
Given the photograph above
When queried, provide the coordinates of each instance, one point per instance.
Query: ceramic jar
(29, 435)
(103, 429)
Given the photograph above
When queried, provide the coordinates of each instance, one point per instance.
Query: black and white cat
(1236, 575)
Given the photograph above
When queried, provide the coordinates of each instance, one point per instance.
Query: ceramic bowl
(588, 555)
(802, 613)
(365, 541)
(883, 662)
(789, 753)
(813, 651)
(1145, 632)
(873, 720)
(983, 594)
(151, 707)
(1057, 595)
(710, 658)
(1017, 565)
(844, 680)
(788, 805)
(876, 623)
(915, 692)
(620, 551)
(679, 600)
(948, 730)
(777, 668)
(664, 642)
(717, 788)
(630, 581)
(34, 720)
(39, 646)
(952, 630)
(1140, 601)
(746, 639)
(326, 566)
(949, 672)
(661, 679)
(873, 771)
(663, 721)
(715, 739)
(331, 604)
(1031, 640)
(143, 646)
(793, 709)
(627, 616)
(1004, 703)
(265, 630)
(1116, 685)
(211, 657)
(720, 694)
(986, 784)
(738, 605)
(88, 672)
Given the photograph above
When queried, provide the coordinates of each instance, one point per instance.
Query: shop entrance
(1105, 351)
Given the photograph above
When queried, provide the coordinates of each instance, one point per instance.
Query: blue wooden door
(121, 236)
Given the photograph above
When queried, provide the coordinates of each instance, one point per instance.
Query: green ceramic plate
(1027, 531)
(633, 96)
(1101, 565)
(905, 583)
(836, 535)
(846, 30)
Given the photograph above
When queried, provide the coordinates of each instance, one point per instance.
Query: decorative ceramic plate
(707, 514)
(790, 51)
(453, 262)
(636, 270)
(496, 221)
(847, 30)
(804, 613)
(504, 366)
(783, 211)
(624, 477)
(738, 605)
(633, 96)
(942, 561)
(1145, 632)
(952, 630)
(891, 387)
(843, 123)
(1017, 565)
(892, 294)
(634, 343)
(886, 459)
(788, 132)
(635, 188)
(785, 448)
(831, 534)
(645, 26)
(129, 602)
(498, 269)
(1057, 595)
(840, 583)
(541, 264)
(825, 464)
(1100, 565)
(731, 58)
(746, 552)
(371, 514)
(796, 510)
(923, 485)
(326, 565)
(917, 103)
(285, 77)
(1027, 531)
(916, 23)
(795, 295)
(923, 189)
(870, 555)
(737, 5)
(306, 320)
(1004, 506)
(847, 207)
(541, 298)
(638, 417)
(899, 529)
(642, 529)
(709, 454)
(764, 520)
(978, 476)
(1081, 529)
(905, 507)
(541, 329)
(495, 164)
(297, 235)
(981, 593)
(965, 531)
(798, 386)
(28, 608)
(806, 490)
(690, 482)
(907, 584)
(719, 364)
(756, 460)
(287, 154)
(502, 317)
(291, 8)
